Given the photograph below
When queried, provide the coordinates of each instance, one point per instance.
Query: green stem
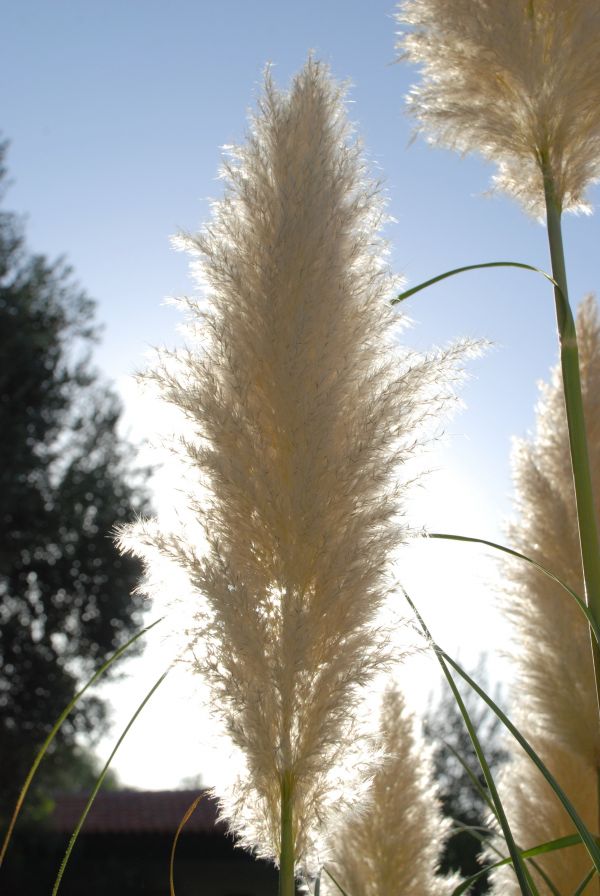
(469, 267)
(569, 360)
(99, 782)
(526, 885)
(286, 858)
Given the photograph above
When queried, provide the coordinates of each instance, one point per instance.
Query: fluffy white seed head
(554, 691)
(392, 844)
(515, 80)
(301, 409)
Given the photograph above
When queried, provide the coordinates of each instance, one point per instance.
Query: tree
(66, 479)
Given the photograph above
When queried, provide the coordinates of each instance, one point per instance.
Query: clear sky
(116, 113)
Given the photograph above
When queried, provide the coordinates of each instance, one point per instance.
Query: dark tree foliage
(65, 481)
(461, 799)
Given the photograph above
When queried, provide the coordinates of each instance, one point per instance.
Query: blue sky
(116, 112)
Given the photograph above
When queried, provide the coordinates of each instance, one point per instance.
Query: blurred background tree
(461, 799)
(66, 479)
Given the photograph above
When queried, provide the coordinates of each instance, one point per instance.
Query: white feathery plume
(301, 409)
(515, 80)
(554, 691)
(392, 844)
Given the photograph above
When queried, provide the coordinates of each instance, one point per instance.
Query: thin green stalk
(287, 885)
(469, 267)
(543, 569)
(569, 361)
(336, 882)
(187, 815)
(473, 778)
(543, 848)
(479, 834)
(99, 781)
(64, 714)
(586, 880)
(526, 884)
(483, 836)
(588, 839)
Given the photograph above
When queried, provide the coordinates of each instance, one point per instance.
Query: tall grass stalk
(519, 83)
(287, 856)
(186, 817)
(587, 838)
(569, 362)
(554, 690)
(301, 410)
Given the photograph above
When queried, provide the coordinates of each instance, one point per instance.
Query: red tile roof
(133, 811)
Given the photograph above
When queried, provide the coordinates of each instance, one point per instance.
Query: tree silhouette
(66, 479)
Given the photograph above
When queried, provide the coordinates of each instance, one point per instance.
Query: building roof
(134, 811)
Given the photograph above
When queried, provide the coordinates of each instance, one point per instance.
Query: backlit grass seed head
(301, 409)
(392, 844)
(554, 689)
(517, 81)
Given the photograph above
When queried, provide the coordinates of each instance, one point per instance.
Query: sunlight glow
(452, 584)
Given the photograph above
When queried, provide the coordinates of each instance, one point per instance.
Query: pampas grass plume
(301, 409)
(515, 80)
(392, 845)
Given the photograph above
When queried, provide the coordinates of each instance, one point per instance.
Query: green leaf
(550, 846)
(474, 780)
(65, 713)
(587, 838)
(586, 880)
(472, 267)
(336, 882)
(500, 547)
(187, 815)
(526, 884)
(99, 781)
(475, 832)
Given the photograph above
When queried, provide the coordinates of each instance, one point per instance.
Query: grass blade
(553, 889)
(474, 779)
(481, 834)
(587, 838)
(336, 882)
(99, 781)
(65, 713)
(472, 267)
(512, 553)
(586, 880)
(188, 814)
(550, 846)
(526, 884)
